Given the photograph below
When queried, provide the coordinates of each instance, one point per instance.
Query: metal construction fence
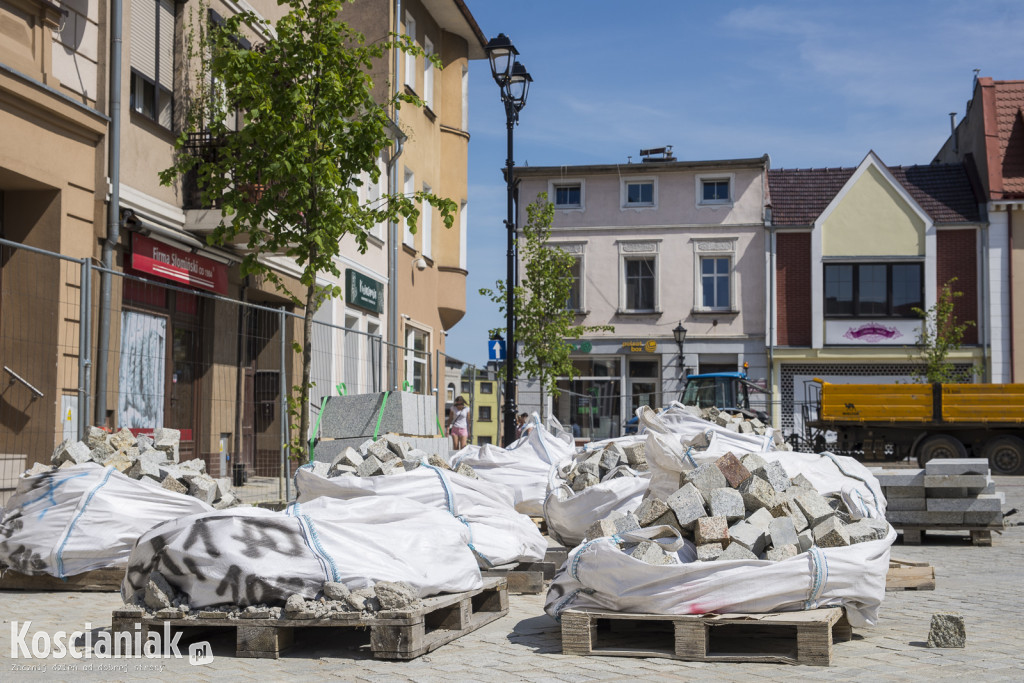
(218, 369)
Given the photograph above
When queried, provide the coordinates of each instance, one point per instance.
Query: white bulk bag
(249, 556)
(77, 519)
(500, 535)
(569, 513)
(599, 575)
(676, 419)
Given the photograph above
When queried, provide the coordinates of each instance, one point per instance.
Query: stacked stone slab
(153, 457)
(744, 508)
(611, 462)
(949, 492)
(389, 454)
(348, 421)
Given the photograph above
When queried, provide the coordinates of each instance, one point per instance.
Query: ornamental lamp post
(679, 334)
(514, 83)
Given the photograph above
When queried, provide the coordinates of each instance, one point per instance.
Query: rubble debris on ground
(743, 508)
(741, 422)
(611, 462)
(948, 492)
(947, 630)
(389, 454)
(154, 457)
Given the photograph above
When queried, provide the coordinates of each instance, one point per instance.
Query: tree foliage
(544, 323)
(941, 333)
(287, 182)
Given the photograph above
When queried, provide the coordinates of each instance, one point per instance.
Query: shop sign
(363, 291)
(581, 346)
(178, 265)
(641, 346)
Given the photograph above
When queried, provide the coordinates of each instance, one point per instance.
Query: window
(714, 191)
(408, 237)
(483, 440)
(449, 394)
(567, 193)
(639, 192)
(152, 60)
(374, 190)
(465, 387)
(873, 290)
(428, 73)
(714, 282)
(484, 413)
(410, 59)
(427, 213)
(640, 284)
(486, 387)
(567, 196)
(575, 302)
(416, 356)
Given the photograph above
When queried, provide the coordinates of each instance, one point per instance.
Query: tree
(941, 333)
(544, 322)
(287, 182)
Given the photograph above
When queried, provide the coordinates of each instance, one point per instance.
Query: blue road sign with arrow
(496, 349)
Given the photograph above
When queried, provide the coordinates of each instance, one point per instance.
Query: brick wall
(793, 288)
(957, 256)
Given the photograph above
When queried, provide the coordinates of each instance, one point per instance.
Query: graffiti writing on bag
(274, 542)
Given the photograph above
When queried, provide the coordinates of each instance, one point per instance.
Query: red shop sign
(178, 265)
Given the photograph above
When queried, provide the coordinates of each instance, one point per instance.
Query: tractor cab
(730, 391)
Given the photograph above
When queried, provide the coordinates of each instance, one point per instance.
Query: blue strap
(449, 498)
(819, 567)
(50, 488)
(71, 527)
(313, 542)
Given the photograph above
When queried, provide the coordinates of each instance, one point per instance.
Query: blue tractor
(729, 391)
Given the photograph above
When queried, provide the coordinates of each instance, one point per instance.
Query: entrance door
(642, 383)
(185, 358)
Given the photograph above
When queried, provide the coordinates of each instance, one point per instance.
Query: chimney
(952, 132)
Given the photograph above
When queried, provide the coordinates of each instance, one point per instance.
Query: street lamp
(514, 81)
(679, 334)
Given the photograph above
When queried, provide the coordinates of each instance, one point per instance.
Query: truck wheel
(940, 446)
(1005, 454)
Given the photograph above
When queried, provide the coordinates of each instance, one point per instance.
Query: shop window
(873, 290)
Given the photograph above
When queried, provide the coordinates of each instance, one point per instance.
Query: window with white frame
(410, 59)
(638, 276)
(567, 195)
(714, 288)
(408, 237)
(152, 60)
(428, 73)
(427, 213)
(417, 354)
(714, 190)
(639, 192)
(575, 301)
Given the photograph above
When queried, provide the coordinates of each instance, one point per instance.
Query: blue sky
(811, 84)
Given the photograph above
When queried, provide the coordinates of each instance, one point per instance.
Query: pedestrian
(458, 423)
(522, 425)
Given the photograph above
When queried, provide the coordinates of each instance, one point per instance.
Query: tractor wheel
(940, 446)
(1005, 454)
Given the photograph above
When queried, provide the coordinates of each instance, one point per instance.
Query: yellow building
(486, 424)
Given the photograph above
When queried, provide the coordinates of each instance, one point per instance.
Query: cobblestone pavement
(985, 584)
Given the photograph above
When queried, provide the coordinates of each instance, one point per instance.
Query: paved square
(985, 584)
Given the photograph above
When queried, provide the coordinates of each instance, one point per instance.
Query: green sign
(581, 346)
(363, 291)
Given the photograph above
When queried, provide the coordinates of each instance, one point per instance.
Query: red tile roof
(1009, 101)
(799, 196)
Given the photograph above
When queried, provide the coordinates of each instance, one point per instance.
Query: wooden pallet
(524, 577)
(398, 634)
(787, 637)
(980, 535)
(904, 575)
(99, 580)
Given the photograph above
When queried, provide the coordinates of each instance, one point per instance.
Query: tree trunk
(307, 361)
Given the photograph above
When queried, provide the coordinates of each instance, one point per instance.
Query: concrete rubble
(141, 457)
(744, 508)
(590, 468)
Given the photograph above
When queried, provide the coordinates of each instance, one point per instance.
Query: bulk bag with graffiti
(77, 519)
(500, 535)
(251, 556)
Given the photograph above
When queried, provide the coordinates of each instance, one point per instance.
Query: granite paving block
(888, 478)
(904, 504)
(757, 493)
(735, 551)
(831, 533)
(728, 503)
(651, 553)
(985, 503)
(891, 492)
(957, 466)
(780, 553)
(709, 551)
(814, 506)
(611, 458)
(923, 517)
(711, 530)
(601, 528)
(947, 630)
(806, 540)
(732, 469)
(688, 504)
(753, 461)
(636, 454)
(983, 518)
(330, 449)
(748, 536)
(789, 508)
(860, 532)
(782, 532)
(955, 481)
(880, 526)
(949, 492)
(669, 519)
(650, 510)
(774, 474)
(706, 478)
(801, 481)
(761, 518)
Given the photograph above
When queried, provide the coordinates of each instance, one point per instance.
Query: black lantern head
(501, 53)
(518, 86)
(679, 333)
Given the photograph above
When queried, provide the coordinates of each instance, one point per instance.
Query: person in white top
(458, 423)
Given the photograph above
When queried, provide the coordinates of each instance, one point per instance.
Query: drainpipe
(393, 225)
(113, 211)
(1009, 290)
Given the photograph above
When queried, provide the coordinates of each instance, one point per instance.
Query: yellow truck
(925, 421)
